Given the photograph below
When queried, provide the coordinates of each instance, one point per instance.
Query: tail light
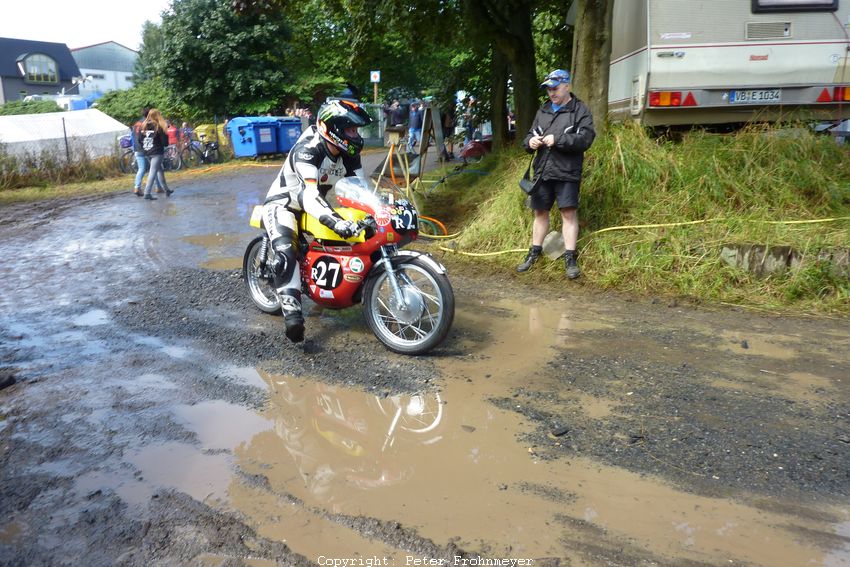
(841, 94)
(671, 98)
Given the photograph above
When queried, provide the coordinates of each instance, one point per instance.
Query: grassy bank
(752, 187)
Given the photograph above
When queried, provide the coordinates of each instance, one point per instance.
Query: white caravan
(720, 61)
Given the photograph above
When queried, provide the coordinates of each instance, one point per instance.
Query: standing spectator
(414, 127)
(185, 135)
(141, 160)
(448, 131)
(153, 138)
(395, 114)
(173, 133)
(469, 119)
(562, 131)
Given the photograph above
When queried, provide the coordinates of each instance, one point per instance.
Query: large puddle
(447, 464)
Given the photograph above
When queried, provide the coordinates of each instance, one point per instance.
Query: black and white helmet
(335, 116)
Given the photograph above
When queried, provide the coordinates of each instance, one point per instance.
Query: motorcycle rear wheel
(258, 280)
(424, 322)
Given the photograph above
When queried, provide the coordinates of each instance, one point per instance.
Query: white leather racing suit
(309, 172)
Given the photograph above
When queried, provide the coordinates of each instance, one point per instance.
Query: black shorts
(551, 190)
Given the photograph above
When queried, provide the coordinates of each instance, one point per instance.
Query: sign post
(375, 77)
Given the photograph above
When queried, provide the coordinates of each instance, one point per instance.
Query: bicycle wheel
(191, 157)
(174, 159)
(127, 162)
(213, 156)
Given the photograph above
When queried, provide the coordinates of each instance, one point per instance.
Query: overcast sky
(79, 23)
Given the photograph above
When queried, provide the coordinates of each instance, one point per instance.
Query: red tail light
(665, 98)
(840, 94)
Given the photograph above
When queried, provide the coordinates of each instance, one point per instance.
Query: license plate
(755, 96)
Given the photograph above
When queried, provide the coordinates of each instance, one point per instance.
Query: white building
(110, 66)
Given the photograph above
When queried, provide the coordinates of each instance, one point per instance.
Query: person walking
(153, 139)
(141, 160)
(560, 134)
(414, 127)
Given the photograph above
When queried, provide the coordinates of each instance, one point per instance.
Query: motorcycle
(407, 298)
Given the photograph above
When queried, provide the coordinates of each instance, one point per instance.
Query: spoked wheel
(191, 157)
(422, 319)
(127, 162)
(258, 278)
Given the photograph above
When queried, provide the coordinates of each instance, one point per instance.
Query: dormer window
(38, 68)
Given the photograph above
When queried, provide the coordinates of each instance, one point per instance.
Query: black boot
(530, 258)
(571, 265)
(294, 326)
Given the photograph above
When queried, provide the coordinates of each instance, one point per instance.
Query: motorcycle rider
(324, 153)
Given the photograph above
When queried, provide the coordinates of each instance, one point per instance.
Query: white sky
(79, 23)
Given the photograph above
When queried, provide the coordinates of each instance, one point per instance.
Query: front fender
(405, 255)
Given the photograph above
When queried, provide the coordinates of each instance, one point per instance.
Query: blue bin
(253, 135)
(288, 131)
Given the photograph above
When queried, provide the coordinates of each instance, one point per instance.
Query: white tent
(36, 135)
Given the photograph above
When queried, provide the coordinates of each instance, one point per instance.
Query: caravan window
(794, 5)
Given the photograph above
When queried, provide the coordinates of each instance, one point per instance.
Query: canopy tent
(87, 131)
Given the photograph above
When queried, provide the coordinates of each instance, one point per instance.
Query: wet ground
(158, 418)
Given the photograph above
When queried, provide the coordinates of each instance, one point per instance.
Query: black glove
(345, 228)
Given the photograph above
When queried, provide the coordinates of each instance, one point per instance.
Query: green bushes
(739, 189)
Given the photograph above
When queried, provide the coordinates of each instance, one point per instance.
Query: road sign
(375, 76)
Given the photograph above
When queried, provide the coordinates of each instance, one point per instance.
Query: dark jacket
(152, 142)
(572, 127)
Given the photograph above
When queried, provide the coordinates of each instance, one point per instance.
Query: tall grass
(741, 184)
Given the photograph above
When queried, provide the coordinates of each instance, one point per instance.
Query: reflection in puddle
(449, 465)
(173, 351)
(776, 346)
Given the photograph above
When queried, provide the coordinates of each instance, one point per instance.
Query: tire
(191, 157)
(127, 162)
(213, 156)
(427, 320)
(259, 280)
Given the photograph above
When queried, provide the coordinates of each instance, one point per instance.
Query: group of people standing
(150, 138)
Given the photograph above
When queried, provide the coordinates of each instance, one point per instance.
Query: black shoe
(571, 266)
(530, 258)
(137, 192)
(294, 326)
(168, 192)
(150, 197)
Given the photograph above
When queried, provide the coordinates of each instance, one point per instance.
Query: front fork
(392, 276)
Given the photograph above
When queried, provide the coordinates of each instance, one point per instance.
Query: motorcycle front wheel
(422, 319)
(258, 279)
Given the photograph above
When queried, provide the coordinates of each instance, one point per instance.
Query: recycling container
(288, 131)
(253, 135)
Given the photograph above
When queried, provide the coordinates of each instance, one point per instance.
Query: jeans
(142, 162)
(156, 174)
(413, 137)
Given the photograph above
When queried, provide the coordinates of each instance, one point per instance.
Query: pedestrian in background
(153, 139)
(562, 131)
(141, 160)
(414, 127)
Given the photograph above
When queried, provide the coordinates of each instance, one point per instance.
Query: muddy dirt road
(159, 419)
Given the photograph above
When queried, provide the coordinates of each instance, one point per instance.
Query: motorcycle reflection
(342, 439)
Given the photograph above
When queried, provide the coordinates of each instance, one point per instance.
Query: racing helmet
(335, 116)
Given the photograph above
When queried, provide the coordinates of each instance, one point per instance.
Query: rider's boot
(530, 258)
(290, 304)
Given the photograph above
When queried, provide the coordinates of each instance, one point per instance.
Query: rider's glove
(345, 228)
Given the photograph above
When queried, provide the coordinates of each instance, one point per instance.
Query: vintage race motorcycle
(407, 298)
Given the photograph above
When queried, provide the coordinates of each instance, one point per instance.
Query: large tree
(223, 60)
(592, 56)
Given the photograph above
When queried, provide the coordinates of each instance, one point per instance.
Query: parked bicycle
(171, 161)
(199, 152)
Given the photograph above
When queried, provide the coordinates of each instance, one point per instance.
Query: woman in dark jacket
(153, 139)
(562, 131)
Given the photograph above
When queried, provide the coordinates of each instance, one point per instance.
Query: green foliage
(32, 107)
(223, 61)
(149, 52)
(740, 188)
(126, 106)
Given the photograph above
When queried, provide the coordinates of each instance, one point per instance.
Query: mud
(158, 418)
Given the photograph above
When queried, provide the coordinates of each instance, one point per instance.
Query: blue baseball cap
(555, 78)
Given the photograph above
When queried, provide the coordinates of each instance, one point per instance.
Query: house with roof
(107, 66)
(35, 68)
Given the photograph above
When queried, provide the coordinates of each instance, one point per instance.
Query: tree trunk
(499, 98)
(592, 57)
